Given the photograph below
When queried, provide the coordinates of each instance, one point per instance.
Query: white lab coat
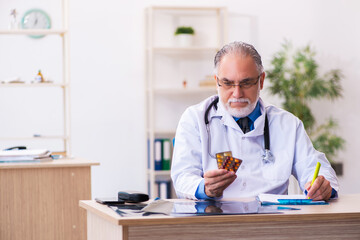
(293, 151)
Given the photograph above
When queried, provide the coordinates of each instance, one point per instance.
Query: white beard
(242, 112)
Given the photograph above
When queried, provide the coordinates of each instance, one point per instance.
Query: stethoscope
(267, 156)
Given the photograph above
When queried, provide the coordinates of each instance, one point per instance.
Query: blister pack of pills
(225, 160)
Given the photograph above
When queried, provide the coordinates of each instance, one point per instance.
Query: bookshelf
(53, 132)
(173, 73)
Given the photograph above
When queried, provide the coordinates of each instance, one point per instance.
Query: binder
(164, 189)
(166, 154)
(158, 154)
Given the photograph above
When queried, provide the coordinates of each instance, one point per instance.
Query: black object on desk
(133, 197)
(15, 148)
(110, 201)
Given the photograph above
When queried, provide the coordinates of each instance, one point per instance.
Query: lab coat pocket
(281, 168)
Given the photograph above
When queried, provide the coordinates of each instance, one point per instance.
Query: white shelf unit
(34, 31)
(64, 84)
(169, 65)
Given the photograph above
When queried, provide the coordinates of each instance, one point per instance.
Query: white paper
(273, 198)
(159, 206)
(25, 155)
(34, 153)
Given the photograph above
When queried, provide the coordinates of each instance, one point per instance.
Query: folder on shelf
(35, 155)
(158, 154)
(164, 189)
(166, 154)
(162, 154)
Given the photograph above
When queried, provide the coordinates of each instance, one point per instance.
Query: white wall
(107, 75)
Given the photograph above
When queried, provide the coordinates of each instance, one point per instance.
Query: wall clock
(36, 19)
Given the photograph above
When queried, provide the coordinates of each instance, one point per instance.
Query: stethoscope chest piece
(268, 158)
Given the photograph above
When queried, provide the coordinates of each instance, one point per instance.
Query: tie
(244, 124)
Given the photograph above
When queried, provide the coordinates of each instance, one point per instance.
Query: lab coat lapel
(258, 126)
(259, 122)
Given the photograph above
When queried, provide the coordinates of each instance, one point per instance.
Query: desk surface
(64, 162)
(345, 207)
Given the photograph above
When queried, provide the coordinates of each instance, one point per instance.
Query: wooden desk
(339, 220)
(40, 200)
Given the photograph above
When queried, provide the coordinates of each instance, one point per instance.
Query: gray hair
(240, 48)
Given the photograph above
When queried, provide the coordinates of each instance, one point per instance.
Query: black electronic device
(110, 201)
(132, 196)
(15, 148)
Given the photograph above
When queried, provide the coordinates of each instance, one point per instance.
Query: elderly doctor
(234, 121)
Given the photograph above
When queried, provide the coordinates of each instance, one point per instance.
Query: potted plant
(184, 36)
(294, 77)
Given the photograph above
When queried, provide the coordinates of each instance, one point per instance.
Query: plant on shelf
(294, 77)
(184, 30)
(184, 36)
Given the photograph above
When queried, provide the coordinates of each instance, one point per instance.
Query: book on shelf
(164, 189)
(166, 154)
(157, 154)
(162, 154)
(25, 155)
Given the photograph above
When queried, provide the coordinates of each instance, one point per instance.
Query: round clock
(36, 19)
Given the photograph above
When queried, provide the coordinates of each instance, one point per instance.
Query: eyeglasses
(244, 84)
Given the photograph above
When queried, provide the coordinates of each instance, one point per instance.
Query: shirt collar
(228, 120)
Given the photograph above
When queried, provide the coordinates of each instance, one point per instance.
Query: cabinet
(36, 114)
(174, 73)
(41, 200)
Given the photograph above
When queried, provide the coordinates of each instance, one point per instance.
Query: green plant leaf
(325, 141)
(294, 77)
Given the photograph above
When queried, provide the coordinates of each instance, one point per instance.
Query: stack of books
(26, 155)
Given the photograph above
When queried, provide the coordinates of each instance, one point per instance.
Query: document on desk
(275, 199)
(159, 206)
(33, 155)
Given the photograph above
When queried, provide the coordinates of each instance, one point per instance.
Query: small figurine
(14, 24)
(39, 77)
(184, 83)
